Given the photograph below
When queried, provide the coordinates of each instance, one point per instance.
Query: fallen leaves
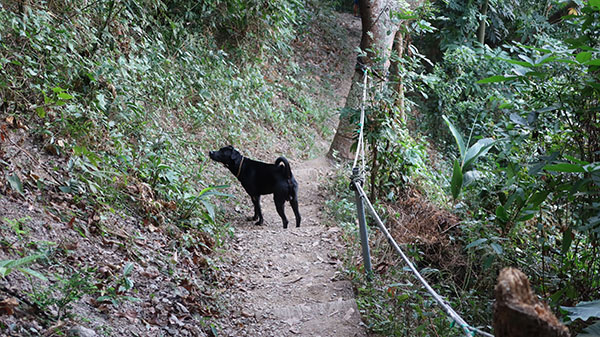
(130, 315)
(8, 305)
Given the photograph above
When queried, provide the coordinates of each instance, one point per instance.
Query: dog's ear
(234, 155)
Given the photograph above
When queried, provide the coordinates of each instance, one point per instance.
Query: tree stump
(518, 312)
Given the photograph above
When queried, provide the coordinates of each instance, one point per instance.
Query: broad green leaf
(497, 248)
(457, 180)
(594, 62)
(128, 268)
(566, 241)
(210, 208)
(476, 243)
(517, 62)
(477, 150)
(526, 59)
(594, 3)
(520, 71)
(41, 112)
(583, 310)
(537, 199)
(33, 273)
(564, 167)
(594, 329)
(459, 140)
(501, 214)
(545, 59)
(575, 160)
(106, 299)
(15, 183)
(583, 57)
(131, 298)
(64, 96)
(23, 261)
(496, 78)
(527, 214)
(566, 61)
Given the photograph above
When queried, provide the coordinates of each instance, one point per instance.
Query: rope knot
(356, 178)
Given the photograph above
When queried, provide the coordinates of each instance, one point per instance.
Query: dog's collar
(240, 168)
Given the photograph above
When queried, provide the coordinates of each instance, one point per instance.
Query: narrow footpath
(288, 282)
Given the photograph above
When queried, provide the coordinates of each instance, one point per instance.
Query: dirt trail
(288, 283)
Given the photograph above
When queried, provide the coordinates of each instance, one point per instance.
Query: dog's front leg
(257, 212)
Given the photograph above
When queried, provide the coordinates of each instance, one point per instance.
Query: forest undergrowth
(494, 153)
(110, 219)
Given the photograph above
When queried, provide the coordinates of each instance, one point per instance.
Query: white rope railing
(357, 179)
(361, 141)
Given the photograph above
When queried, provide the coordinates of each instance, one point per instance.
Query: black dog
(259, 178)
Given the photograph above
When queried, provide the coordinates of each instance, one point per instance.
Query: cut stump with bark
(519, 313)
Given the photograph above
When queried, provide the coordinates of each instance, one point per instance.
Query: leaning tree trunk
(378, 32)
(482, 23)
(399, 47)
(518, 312)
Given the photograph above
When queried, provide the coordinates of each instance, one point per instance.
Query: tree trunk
(481, 32)
(395, 68)
(344, 136)
(518, 312)
(376, 24)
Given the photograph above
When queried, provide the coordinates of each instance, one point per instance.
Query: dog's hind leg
(257, 212)
(279, 203)
(294, 204)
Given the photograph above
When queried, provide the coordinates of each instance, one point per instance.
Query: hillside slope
(96, 268)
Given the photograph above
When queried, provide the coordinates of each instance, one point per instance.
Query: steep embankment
(125, 271)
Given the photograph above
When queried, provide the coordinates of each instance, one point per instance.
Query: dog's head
(227, 155)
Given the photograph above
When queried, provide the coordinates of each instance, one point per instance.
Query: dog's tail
(286, 164)
(288, 175)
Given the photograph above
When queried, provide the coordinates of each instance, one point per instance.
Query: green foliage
(119, 98)
(8, 266)
(468, 155)
(131, 95)
(591, 331)
(249, 25)
(530, 109)
(451, 91)
(534, 203)
(115, 290)
(66, 290)
(584, 310)
(458, 21)
(15, 182)
(18, 226)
